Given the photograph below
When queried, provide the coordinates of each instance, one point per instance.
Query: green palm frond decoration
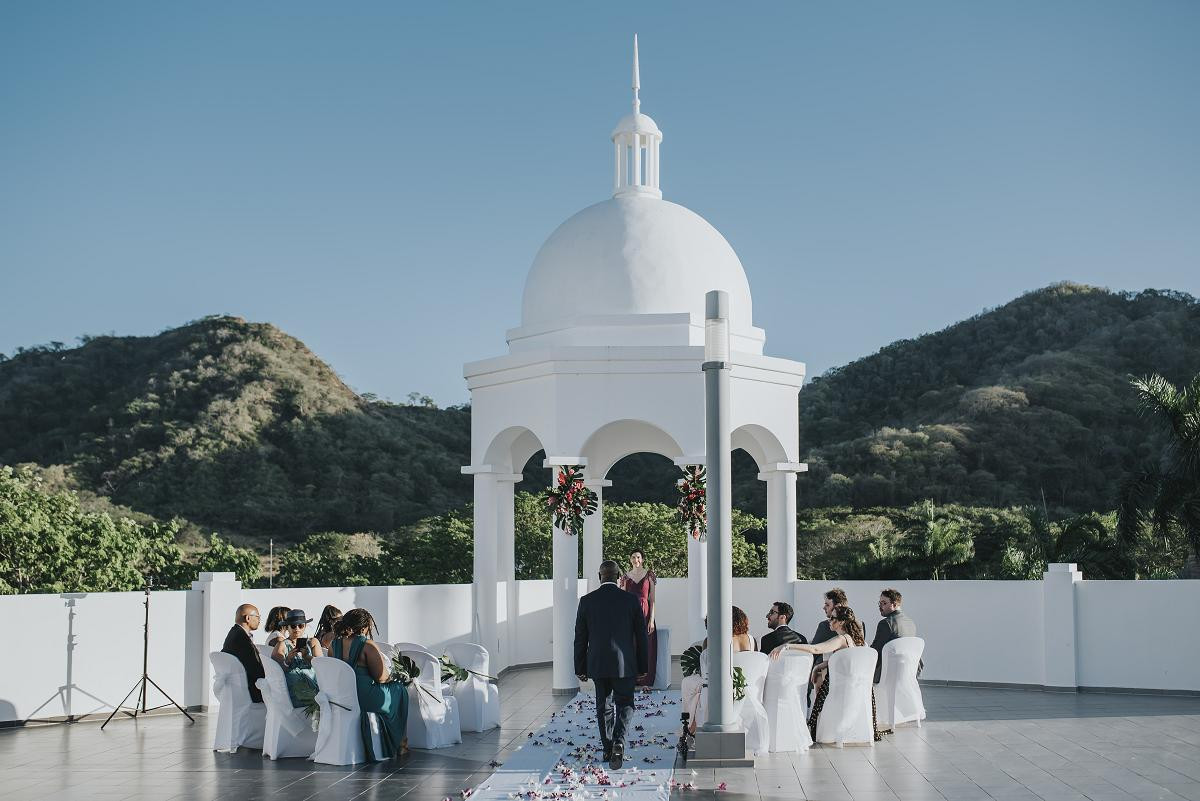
(690, 661)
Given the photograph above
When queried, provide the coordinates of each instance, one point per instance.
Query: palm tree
(1163, 498)
(941, 542)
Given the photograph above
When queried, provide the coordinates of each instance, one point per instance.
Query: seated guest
(834, 597)
(295, 652)
(275, 625)
(779, 634)
(895, 624)
(238, 643)
(743, 640)
(847, 633)
(330, 615)
(377, 693)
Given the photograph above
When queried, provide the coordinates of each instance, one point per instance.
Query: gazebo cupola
(636, 141)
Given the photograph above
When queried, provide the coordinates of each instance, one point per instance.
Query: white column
(565, 558)
(616, 166)
(637, 159)
(593, 535)
(486, 562)
(1058, 610)
(781, 529)
(506, 585)
(221, 595)
(697, 587)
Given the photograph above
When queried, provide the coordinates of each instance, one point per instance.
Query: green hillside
(234, 426)
(240, 429)
(1023, 404)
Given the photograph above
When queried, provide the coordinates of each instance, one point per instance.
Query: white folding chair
(478, 699)
(289, 732)
(662, 669)
(754, 666)
(846, 715)
(240, 721)
(785, 699)
(339, 737)
(898, 695)
(432, 714)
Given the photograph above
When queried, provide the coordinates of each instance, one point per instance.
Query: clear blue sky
(376, 179)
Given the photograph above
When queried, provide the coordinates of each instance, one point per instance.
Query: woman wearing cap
(295, 653)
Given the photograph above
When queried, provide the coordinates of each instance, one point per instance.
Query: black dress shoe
(618, 756)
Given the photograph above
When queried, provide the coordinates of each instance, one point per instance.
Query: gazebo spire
(636, 142)
(637, 79)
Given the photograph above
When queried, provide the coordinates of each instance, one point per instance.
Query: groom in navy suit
(612, 650)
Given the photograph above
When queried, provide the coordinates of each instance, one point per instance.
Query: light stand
(140, 707)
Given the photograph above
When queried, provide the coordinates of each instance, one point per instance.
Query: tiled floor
(977, 745)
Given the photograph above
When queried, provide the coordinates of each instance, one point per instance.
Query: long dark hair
(355, 621)
(330, 615)
(276, 617)
(850, 624)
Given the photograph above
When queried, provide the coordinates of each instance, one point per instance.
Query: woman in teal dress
(377, 694)
(295, 652)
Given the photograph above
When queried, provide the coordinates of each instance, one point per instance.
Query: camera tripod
(140, 686)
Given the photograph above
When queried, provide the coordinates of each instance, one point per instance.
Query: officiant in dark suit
(611, 649)
(780, 634)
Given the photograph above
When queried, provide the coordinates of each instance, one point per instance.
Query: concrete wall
(1125, 634)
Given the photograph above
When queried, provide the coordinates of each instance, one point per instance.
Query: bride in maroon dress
(640, 581)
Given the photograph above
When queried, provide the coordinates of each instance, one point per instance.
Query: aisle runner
(562, 760)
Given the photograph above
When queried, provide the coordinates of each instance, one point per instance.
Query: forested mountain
(235, 426)
(1025, 402)
(240, 429)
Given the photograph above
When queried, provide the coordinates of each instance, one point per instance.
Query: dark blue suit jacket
(610, 635)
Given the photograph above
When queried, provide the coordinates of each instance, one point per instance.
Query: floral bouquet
(570, 501)
(692, 510)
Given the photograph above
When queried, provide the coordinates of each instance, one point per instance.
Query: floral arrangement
(690, 661)
(453, 672)
(692, 509)
(569, 501)
(406, 671)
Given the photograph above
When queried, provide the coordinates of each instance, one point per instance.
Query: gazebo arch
(607, 362)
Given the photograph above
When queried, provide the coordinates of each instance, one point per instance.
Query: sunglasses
(296, 625)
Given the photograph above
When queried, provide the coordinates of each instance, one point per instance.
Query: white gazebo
(606, 363)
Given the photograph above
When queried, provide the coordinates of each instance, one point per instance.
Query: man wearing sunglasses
(239, 644)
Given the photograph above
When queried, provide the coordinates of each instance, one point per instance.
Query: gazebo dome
(633, 254)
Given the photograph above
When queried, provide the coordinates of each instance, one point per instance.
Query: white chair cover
(692, 691)
(846, 715)
(240, 721)
(478, 699)
(430, 724)
(786, 701)
(754, 665)
(662, 668)
(339, 738)
(408, 646)
(265, 651)
(386, 648)
(898, 695)
(289, 732)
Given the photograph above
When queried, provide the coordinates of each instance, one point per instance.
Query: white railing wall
(1059, 632)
